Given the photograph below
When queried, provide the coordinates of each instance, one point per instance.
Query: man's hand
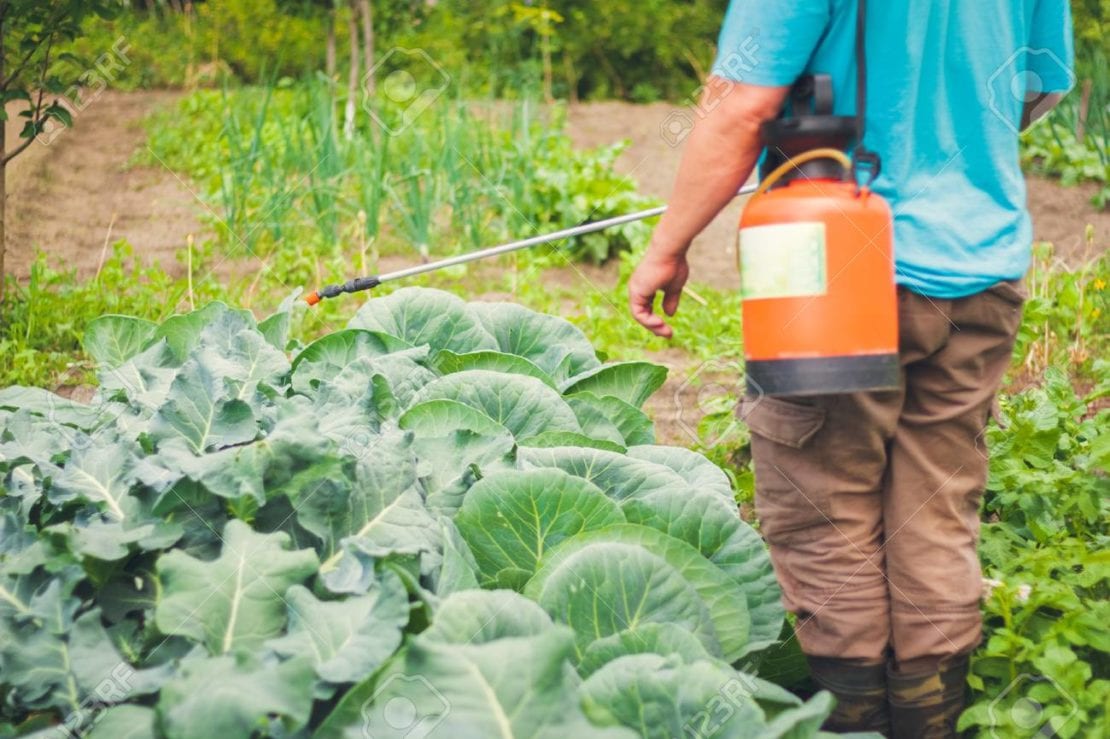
(719, 155)
(657, 271)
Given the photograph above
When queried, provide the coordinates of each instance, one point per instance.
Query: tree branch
(25, 61)
(21, 65)
(17, 150)
(36, 116)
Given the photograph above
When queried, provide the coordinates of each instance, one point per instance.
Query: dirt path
(71, 195)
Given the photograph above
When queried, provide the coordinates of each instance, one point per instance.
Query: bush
(230, 40)
(631, 50)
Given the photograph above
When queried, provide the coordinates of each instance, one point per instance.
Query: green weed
(1066, 320)
(43, 320)
(1047, 652)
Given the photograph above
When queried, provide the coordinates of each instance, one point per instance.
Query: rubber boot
(860, 690)
(927, 705)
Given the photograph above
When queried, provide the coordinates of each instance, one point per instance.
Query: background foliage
(633, 50)
(560, 49)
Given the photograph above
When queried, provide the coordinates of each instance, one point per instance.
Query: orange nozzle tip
(312, 298)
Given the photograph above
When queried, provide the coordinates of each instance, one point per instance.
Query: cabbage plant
(447, 520)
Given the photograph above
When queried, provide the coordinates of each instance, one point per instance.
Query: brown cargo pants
(869, 502)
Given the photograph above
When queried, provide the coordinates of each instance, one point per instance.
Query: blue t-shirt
(945, 91)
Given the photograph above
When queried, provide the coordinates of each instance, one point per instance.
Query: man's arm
(719, 155)
(1050, 58)
(1039, 107)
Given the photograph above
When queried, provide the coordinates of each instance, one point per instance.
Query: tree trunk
(190, 67)
(3, 202)
(572, 77)
(352, 77)
(329, 48)
(610, 72)
(367, 13)
(548, 73)
(3, 175)
(1084, 109)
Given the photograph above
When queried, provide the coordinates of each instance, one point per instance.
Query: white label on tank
(783, 261)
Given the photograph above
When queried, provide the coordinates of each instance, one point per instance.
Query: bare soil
(652, 159)
(72, 194)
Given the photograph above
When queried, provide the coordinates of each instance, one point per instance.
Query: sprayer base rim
(824, 375)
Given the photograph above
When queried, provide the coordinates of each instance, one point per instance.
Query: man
(869, 501)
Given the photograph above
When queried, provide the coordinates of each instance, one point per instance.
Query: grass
(1066, 320)
(43, 320)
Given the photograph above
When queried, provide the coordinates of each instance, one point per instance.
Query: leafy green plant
(457, 505)
(1066, 320)
(1051, 148)
(1046, 476)
(284, 179)
(1047, 652)
(569, 187)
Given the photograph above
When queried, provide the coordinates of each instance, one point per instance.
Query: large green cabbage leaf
(448, 514)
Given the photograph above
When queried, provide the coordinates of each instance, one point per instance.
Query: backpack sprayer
(816, 252)
(816, 255)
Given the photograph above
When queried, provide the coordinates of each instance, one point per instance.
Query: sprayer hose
(794, 162)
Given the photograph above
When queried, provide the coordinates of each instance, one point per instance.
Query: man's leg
(938, 470)
(820, 466)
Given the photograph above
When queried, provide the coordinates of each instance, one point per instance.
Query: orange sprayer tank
(819, 299)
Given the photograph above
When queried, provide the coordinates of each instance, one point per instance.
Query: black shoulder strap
(862, 156)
